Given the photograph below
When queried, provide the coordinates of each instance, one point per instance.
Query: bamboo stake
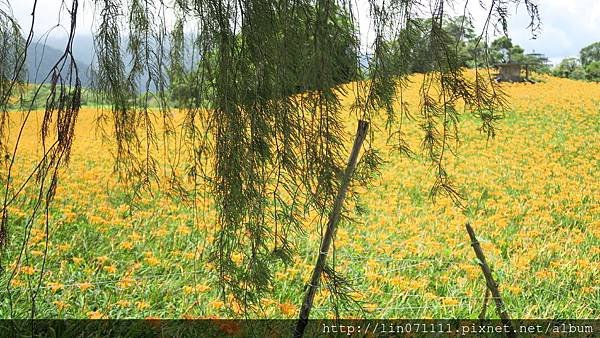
(485, 303)
(334, 216)
(491, 284)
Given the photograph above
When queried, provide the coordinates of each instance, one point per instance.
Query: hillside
(42, 57)
(529, 193)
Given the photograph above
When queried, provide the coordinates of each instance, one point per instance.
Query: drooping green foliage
(11, 68)
(57, 126)
(263, 126)
(420, 38)
(457, 35)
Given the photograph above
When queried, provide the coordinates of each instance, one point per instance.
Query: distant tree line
(415, 50)
(458, 36)
(411, 52)
(586, 67)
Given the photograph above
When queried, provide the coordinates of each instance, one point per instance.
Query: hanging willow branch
(258, 83)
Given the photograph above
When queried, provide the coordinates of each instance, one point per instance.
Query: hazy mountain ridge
(46, 54)
(41, 58)
(42, 55)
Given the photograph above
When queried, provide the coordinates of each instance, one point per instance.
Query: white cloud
(52, 19)
(567, 26)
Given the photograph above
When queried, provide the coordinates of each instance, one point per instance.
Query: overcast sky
(567, 25)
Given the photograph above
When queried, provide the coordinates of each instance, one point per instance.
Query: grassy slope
(532, 196)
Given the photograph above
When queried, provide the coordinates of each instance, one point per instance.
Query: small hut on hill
(511, 72)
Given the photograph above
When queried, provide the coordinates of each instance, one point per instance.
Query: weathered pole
(361, 133)
(491, 284)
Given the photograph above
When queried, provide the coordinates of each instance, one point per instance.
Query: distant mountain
(83, 46)
(84, 51)
(42, 57)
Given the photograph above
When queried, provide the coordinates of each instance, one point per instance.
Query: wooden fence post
(361, 133)
(491, 284)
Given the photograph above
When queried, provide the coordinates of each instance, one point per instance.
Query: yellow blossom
(288, 309)
(28, 270)
(102, 259)
(60, 305)
(55, 286)
(16, 283)
(84, 286)
(125, 283)
(110, 269)
(95, 315)
(152, 261)
(216, 304)
(126, 245)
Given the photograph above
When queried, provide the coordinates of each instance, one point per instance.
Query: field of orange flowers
(532, 195)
